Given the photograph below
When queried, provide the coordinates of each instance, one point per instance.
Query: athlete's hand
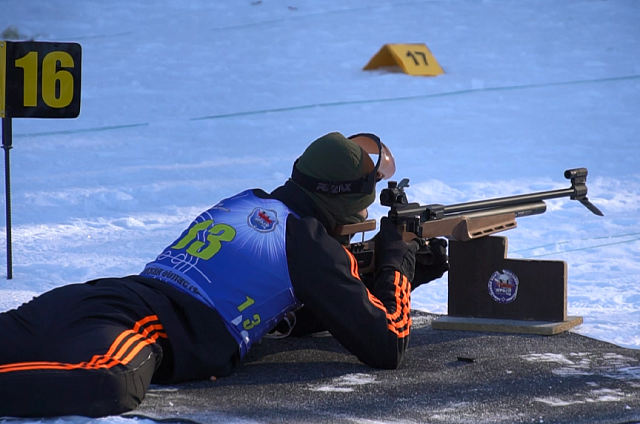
(394, 253)
(431, 262)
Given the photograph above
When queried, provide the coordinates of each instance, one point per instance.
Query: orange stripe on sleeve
(400, 321)
(354, 264)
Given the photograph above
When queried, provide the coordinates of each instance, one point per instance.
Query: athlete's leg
(85, 349)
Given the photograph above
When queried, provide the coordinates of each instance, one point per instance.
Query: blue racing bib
(233, 258)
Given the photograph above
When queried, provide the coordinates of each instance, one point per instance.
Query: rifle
(462, 221)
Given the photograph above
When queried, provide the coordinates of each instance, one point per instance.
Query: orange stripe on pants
(136, 339)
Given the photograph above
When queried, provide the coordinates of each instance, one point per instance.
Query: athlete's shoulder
(259, 193)
(307, 227)
(308, 243)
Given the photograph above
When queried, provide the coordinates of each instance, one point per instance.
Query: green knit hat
(333, 157)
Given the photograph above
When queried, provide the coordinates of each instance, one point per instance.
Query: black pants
(82, 349)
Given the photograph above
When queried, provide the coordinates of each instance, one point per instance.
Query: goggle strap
(364, 185)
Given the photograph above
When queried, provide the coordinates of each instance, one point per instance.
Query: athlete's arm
(373, 325)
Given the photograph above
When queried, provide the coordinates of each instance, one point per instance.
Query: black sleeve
(373, 325)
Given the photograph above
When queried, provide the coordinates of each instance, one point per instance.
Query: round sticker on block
(503, 286)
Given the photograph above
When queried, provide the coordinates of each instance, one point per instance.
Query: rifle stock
(462, 222)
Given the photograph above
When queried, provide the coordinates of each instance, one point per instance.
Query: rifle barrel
(465, 208)
(526, 209)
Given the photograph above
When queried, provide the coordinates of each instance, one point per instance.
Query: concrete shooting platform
(446, 377)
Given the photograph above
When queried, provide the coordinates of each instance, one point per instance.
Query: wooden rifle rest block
(490, 292)
(487, 325)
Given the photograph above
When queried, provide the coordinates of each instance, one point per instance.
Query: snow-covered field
(187, 102)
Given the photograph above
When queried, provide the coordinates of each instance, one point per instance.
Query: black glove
(431, 262)
(393, 253)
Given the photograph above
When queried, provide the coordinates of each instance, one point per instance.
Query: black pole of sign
(6, 145)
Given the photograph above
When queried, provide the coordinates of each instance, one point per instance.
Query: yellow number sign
(39, 79)
(413, 59)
